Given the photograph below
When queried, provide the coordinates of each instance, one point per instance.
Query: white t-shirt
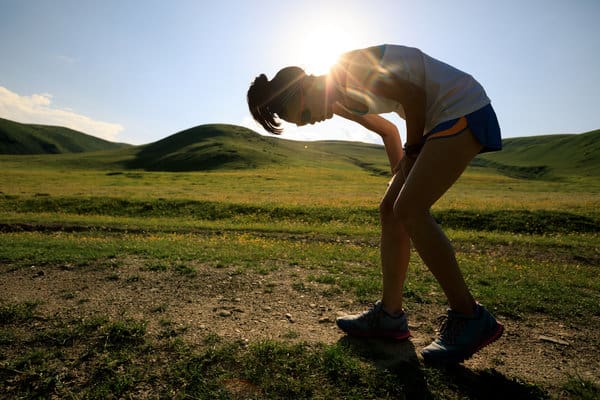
(450, 92)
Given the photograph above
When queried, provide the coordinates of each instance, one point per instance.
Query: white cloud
(38, 109)
(66, 60)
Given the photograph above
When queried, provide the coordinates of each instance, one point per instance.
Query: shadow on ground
(400, 359)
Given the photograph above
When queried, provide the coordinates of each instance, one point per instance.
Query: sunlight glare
(320, 44)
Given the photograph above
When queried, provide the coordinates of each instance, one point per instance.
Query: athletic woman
(449, 120)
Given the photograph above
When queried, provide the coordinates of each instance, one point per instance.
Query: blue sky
(138, 71)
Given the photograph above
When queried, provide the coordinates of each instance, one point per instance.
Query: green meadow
(525, 225)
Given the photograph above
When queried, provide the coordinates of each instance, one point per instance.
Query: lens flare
(321, 42)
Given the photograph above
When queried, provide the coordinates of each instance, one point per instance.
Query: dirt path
(283, 305)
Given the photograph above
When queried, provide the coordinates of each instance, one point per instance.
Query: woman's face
(311, 104)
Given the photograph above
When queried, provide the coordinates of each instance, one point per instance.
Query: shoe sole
(497, 334)
(456, 360)
(381, 335)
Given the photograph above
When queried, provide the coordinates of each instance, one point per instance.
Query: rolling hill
(17, 138)
(547, 156)
(231, 147)
(209, 147)
(221, 146)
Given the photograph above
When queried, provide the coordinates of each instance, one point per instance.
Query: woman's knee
(396, 208)
(401, 210)
(408, 213)
(386, 209)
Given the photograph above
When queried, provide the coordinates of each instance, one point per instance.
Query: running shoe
(461, 336)
(375, 322)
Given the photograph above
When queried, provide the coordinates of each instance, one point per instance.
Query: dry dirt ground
(284, 305)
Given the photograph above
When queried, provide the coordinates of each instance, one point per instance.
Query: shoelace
(372, 315)
(451, 328)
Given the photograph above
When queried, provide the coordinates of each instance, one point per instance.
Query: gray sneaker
(462, 336)
(375, 322)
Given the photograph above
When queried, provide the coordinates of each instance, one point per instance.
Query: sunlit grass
(526, 247)
(521, 280)
(303, 186)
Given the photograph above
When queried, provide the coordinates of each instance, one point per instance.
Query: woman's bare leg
(395, 249)
(439, 165)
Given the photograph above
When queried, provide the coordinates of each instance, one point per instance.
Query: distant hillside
(209, 147)
(222, 146)
(17, 138)
(546, 156)
(231, 147)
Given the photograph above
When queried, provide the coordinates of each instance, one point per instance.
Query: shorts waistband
(448, 128)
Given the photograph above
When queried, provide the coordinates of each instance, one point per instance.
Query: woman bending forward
(449, 120)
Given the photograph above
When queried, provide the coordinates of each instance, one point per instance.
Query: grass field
(127, 283)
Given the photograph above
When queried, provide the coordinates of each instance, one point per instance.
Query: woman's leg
(439, 165)
(395, 249)
(386, 318)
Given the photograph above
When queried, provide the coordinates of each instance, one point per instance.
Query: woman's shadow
(425, 381)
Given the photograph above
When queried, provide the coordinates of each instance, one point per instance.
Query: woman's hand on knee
(405, 165)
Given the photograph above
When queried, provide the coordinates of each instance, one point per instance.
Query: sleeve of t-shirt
(355, 74)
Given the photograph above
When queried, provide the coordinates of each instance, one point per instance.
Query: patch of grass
(270, 369)
(15, 313)
(299, 287)
(513, 171)
(512, 220)
(518, 221)
(515, 275)
(31, 366)
(325, 279)
(118, 359)
(65, 334)
(7, 336)
(113, 277)
(291, 334)
(365, 288)
(123, 333)
(185, 270)
(303, 372)
(133, 278)
(161, 308)
(579, 388)
(115, 375)
(155, 266)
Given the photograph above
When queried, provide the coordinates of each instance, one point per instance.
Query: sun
(321, 42)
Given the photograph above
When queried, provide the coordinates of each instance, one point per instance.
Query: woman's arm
(381, 126)
(361, 68)
(413, 100)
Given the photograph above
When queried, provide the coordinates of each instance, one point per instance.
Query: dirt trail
(284, 305)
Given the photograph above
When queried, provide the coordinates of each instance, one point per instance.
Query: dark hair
(267, 98)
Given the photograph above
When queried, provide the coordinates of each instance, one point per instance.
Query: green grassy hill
(221, 146)
(547, 156)
(17, 138)
(210, 147)
(218, 147)
(229, 147)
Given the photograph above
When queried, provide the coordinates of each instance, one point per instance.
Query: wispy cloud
(38, 109)
(66, 60)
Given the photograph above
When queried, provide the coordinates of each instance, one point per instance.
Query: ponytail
(258, 101)
(267, 98)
